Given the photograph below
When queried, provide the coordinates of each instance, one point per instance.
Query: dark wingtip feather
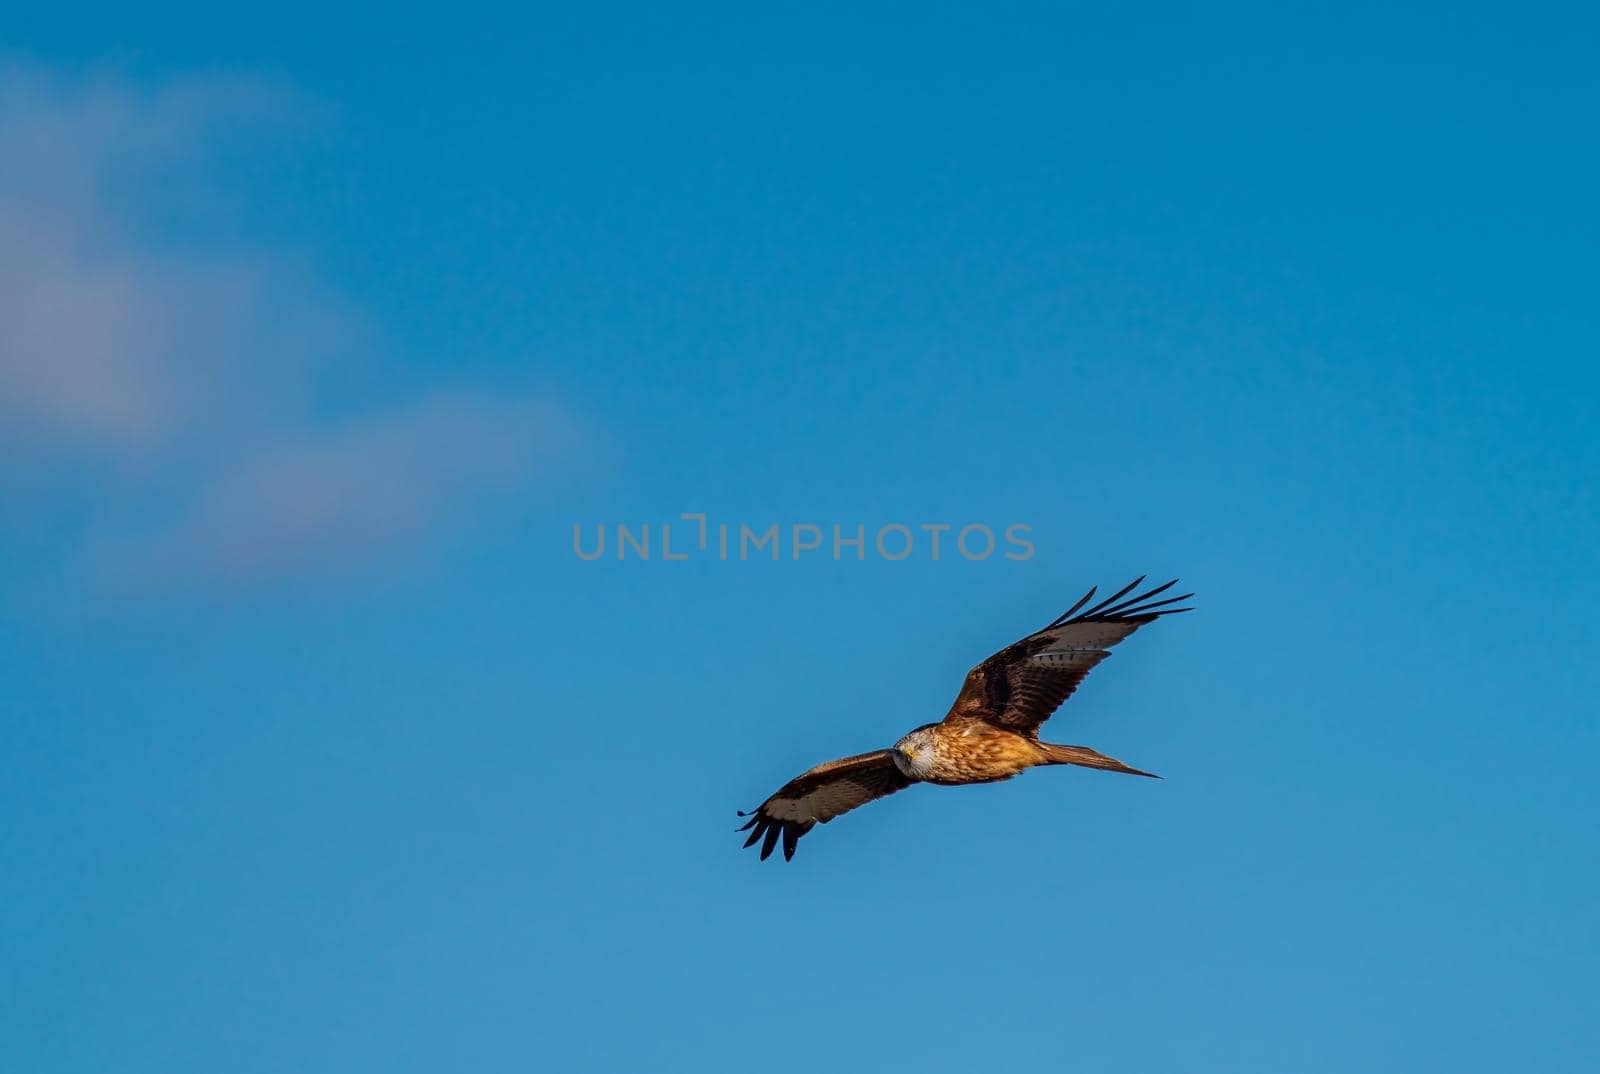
(1150, 609)
(1130, 602)
(1122, 607)
(1064, 616)
(770, 841)
(1113, 598)
(1180, 598)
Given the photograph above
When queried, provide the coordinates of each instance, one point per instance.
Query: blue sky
(320, 330)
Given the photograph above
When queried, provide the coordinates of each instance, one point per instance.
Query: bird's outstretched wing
(1021, 685)
(820, 795)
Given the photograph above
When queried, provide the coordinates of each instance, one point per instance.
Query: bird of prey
(991, 732)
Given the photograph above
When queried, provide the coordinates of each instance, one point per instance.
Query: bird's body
(970, 751)
(991, 732)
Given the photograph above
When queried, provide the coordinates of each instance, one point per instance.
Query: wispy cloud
(107, 341)
(188, 376)
(330, 498)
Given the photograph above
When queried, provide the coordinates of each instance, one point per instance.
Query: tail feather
(1084, 757)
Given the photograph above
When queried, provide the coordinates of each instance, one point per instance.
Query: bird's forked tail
(1087, 758)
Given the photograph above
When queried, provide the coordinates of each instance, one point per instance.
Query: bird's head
(913, 755)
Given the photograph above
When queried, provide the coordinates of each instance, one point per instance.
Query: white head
(913, 755)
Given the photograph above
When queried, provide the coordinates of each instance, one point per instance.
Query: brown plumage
(991, 732)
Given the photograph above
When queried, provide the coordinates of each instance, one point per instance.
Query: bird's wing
(820, 795)
(1021, 685)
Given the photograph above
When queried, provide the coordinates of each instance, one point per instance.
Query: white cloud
(108, 342)
(82, 341)
(186, 376)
